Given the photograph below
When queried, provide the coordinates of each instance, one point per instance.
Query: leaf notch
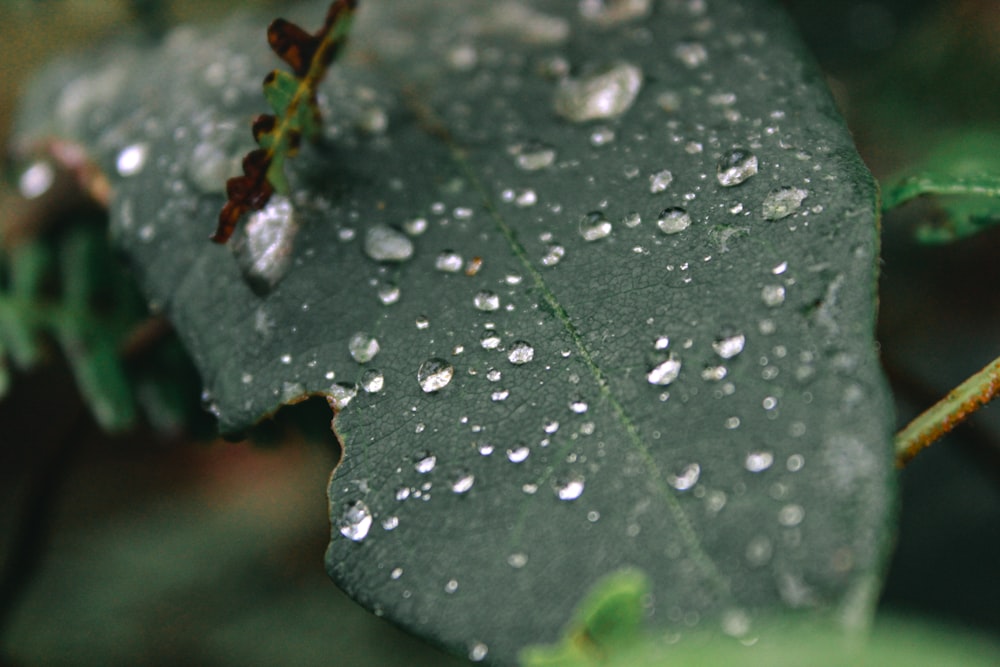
(292, 97)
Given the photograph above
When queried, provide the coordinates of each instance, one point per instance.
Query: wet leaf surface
(591, 287)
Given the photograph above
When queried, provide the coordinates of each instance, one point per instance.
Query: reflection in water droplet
(435, 374)
(665, 372)
(132, 159)
(363, 347)
(783, 202)
(686, 479)
(660, 181)
(486, 301)
(372, 381)
(594, 226)
(448, 261)
(736, 166)
(606, 93)
(673, 220)
(385, 244)
(518, 454)
(570, 489)
(463, 483)
(355, 521)
(520, 352)
(758, 461)
(425, 463)
(772, 295)
(729, 346)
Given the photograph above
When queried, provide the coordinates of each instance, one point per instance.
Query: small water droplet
(570, 489)
(518, 454)
(525, 198)
(396, 573)
(490, 340)
(463, 483)
(553, 255)
(686, 479)
(132, 159)
(339, 396)
(415, 226)
(660, 181)
(602, 135)
(478, 651)
(665, 372)
(517, 560)
(714, 373)
(388, 294)
(602, 94)
(520, 352)
(451, 586)
(610, 12)
(402, 493)
(449, 261)
(579, 406)
(735, 167)
(363, 347)
(385, 244)
(758, 461)
(550, 426)
(594, 226)
(691, 54)
(795, 463)
(773, 295)
(435, 374)
(780, 268)
(632, 219)
(783, 202)
(661, 343)
(355, 521)
(791, 515)
(673, 220)
(532, 156)
(728, 347)
(486, 301)
(493, 375)
(425, 463)
(422, 322)
(36, 180)
(390, 523)
(372, 381)
(759, 551)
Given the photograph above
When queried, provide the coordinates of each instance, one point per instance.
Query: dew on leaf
(518, 454)
(604, 93)
(388, 294)
(264, 253)
(490, 340)
(783, 202)
(758, 461)
(553, 255)
(578, 406)
(665, 372)
(396, 573)
(385, 244)
(451, 586)
(521, 352)
(494, 375)
(486, 301)
(402, 493)
(132, 159)
(422, 322)
(425, 463)
(363, 347)
(498, 396)
(525, 198)
(632, 219)
(570, 489)
(339, 396)
(355, 521)
(660, 181)
(550, 426)
(687, 477)
(390, 523)
(463, 483)
(532, 156)
(728, 347)
(594, 226)
(772, 295)
(449, 262)
(735, 167)
(661, 343)
(673, 220)
(372, 381)
(435, 374)
(485, 448)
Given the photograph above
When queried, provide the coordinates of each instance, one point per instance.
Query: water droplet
(422, 322)
(795, 462)
(36, 180)
(610, 12)
(758, 461)
(490, 340)
(339, 396)
(385, 244)
(780, 268)
(415, 226)
(463, 483)
(632, 219)
(660, 181)
(363, 347)
(728, 347)
(425, 463)
(517, 560)
(396, 573)
(772, 295)
(673, 220)
(478, 651)
(532, 156)
(661, 343)
(735, 623)
(372, 381)
(550, 426)
(735, 167)
(691, 54)
(435, 374)
(783, 202)
(520, 352)
(714, 373)
(388, 294)
(486, 301)
(759, 551)
(579, 406)
(594, 226)
(791, 515)
(264, 252)
(605, 93)
(451, 586)
(449, 262)
(665, 372)
(355, 521)
(686, 479)
(132, 159)
(553, 255)
(570, 489)
(390, 523)
(518, 454)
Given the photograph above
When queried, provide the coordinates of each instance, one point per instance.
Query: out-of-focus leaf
(544, 370)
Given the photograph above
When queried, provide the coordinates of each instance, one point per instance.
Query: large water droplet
(385, 244)
(594, 226)
(728, 347)
(686, 479)
(605, 93)
(435, 374)
(520, 352)
(570, 489)
(363, 347)
(783, 202)
(660, 181)
(673, 220)
(264, 252)
(736, 166)
(355, 521)
(665, 372)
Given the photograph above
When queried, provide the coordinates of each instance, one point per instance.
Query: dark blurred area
(161, 550)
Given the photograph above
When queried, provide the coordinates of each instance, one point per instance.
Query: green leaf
(543, 372)
(964, 172)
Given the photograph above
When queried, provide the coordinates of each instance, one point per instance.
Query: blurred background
(166, 546)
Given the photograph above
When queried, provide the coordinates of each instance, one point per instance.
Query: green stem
(948, 413)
